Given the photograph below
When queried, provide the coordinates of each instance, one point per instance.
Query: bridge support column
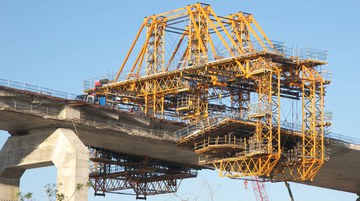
(61, 148)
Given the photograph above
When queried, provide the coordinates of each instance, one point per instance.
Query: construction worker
(190, 63)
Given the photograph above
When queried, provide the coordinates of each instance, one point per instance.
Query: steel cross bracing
(113, 172)
(194, 65)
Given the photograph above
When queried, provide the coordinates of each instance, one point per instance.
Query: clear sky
(58, 44)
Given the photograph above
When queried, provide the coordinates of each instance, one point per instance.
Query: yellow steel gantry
(193, 60)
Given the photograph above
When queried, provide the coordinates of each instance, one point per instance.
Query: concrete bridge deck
(28, 113)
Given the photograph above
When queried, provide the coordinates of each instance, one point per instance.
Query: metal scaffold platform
(227, 80)
(113, 172)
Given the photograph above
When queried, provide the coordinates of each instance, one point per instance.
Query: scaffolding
(114, 172)
(199, 65)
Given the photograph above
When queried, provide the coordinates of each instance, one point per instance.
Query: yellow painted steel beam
(253, 31)
(197, 30)
(129, 52)
(237, 35)
(261, 31)
(223, 40)
(225, 30)
(142, 52)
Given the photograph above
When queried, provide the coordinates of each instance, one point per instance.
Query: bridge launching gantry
(224, 77)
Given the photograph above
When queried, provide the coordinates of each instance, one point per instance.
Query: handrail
(343, 138)
(37, 89)
(284, 125)
(53, 112)
(225, 140)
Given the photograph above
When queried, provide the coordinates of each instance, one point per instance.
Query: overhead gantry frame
(194, 65)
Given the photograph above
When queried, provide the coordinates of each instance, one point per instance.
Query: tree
(52, 193)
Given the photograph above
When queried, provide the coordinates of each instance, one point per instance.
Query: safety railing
(326, 74)
(185, 102)
(343, 138)
(294, 154)
(28, 107)
(52, 111)
(37, 89)
(259, 67)
(90, 83)
(328, 116)
(289, 52)
(220, 141)
(260, 109)
(272, 46)
(328, 135)
(256, 147)
(201, 125)
(212, 121)
(290, 126)
(312, 54)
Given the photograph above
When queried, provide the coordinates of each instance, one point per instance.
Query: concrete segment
(69, 113)
(61, 148)
(342, 171)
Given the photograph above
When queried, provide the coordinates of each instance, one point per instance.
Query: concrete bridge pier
(61, 148)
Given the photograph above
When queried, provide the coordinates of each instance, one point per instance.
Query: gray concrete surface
(342, 171)
(61, 148)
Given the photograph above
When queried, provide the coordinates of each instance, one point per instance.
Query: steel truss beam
(111, 172)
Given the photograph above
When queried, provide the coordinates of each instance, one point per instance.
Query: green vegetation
(53, 194)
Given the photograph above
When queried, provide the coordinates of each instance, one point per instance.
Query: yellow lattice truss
(226, 78)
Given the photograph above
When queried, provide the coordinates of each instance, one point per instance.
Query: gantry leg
(61, 148)
(263, 149)
(312, 127)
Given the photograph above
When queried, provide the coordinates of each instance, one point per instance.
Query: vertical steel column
(312, 124)
(155, 47)
(198, 37)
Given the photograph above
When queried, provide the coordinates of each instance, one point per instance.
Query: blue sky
(58, 44)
